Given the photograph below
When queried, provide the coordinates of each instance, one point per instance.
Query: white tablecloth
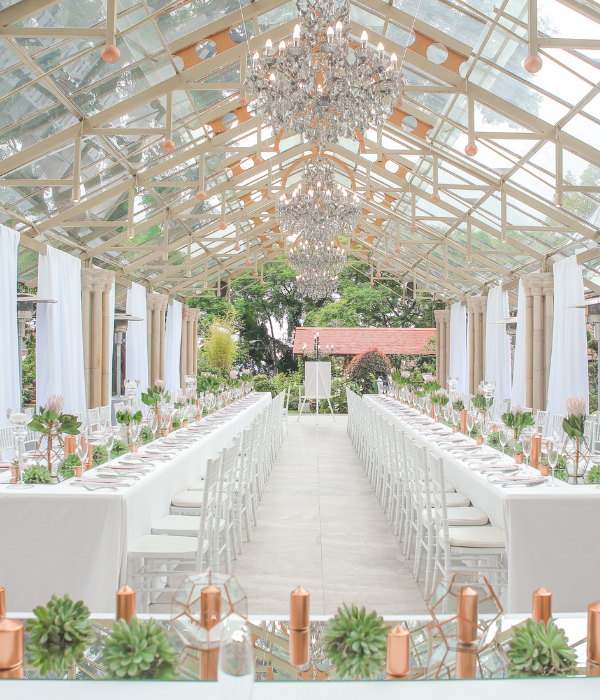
(60, 539)
(552, 534)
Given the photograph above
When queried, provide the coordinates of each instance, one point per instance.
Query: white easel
(317, 385)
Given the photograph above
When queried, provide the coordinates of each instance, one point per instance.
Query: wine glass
(526, 436)
(236, 660)
(81, 448)
(470, 421)
(436, 410)
(553, 449)
(504, 437)
(154, 425)
(19, 421)
(109, 441)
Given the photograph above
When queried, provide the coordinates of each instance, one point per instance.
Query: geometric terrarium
(468, 617)
(199, 611)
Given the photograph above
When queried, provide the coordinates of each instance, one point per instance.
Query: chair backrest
(105, 415)
(438, 494)
(557, 428)
(590, 432)
(421, 478)
(7, 445)
(542, 419)
(504, 406)
(93, 418)
(209, 501)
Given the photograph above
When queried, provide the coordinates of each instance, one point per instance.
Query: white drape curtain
(10, 395)
(459, 366)
(518, 394)
(59, 332)
(173, 347)
(111, 323)
(569, 364)
(136, 343)
(497, 344)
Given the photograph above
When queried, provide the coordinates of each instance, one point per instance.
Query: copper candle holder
(398, 648)
(536, 450)
(12, 648)
(466, 648)
(125, 603)
(70, 445)
(593, 639)
(542, 605)
(463, 421)
(299, 626)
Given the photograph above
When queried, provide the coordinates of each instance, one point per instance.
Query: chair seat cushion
(457, 500)
(196, 486)
(164, 547)
(467, 516)
(476, 537)
(181, 525)
(188, 499)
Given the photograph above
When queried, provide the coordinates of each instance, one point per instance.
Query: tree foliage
(219, 342)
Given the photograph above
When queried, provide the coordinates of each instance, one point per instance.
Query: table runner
(60, 539)
(551, 534)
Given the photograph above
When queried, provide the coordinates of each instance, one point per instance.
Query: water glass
(553, 449)
(526, 436)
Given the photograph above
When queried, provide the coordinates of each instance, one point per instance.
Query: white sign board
(317, 380)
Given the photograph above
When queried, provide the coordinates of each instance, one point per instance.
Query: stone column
(442, 322)
(107, 340)
(477, 306)
(159, 306)
(194, 342)
(539, 307)
(149, 315)
(183, 365)
(86, 312)
(96, 285)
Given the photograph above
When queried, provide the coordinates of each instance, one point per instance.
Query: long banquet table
(552, 535)
(60, 539)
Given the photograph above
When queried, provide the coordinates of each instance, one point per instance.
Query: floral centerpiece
(52, 423)
(517, 419)
(576, 451)
(129, 422)
(439, 396)
(480, 402)
(157, 395)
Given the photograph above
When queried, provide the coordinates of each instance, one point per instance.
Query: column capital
(477, 303)
(442, 315)
(536, 283)
(96, 279)
(157, 302)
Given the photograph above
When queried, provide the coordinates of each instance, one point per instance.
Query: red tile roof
(351, 341)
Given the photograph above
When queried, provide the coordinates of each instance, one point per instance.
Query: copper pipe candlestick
(398, 664)
(125, 603)
(70, 445)
(12, 648)
(536, 450)
(593, 637)
(299, 626)
(542, 605)
(466, 649)
(210, 616)
(463, 421)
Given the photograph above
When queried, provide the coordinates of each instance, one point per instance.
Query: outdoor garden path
(321, 526)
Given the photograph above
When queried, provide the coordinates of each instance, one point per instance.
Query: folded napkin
(96, 480)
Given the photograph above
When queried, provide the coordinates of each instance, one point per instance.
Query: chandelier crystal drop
(317, 265)
(323, 84)
(319, 209)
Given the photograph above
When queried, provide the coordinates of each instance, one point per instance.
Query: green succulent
(355, 642)
(99, 455)
(37, 474)
(458, 405)
(119, 448)
(59, 634)
(139, 650)
(67, 469)
(540, 650)
(176, 423)
(146, 435)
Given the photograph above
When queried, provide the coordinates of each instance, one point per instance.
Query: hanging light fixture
(319, 209)
(317, 265)
(323, 84)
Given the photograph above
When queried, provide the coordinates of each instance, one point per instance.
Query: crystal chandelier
(322, 84)
(317, 265)
(319, 209)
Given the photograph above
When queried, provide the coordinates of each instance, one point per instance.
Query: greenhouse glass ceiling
(83, 168)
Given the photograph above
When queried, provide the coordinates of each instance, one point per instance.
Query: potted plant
(130, 422)
(517, 419)
(71, 467)
(52, 423)
(356, 642)
(539, 649)
(576, 450)
(544, 466)
(60, 633)
(139, 650)
(518, 453)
